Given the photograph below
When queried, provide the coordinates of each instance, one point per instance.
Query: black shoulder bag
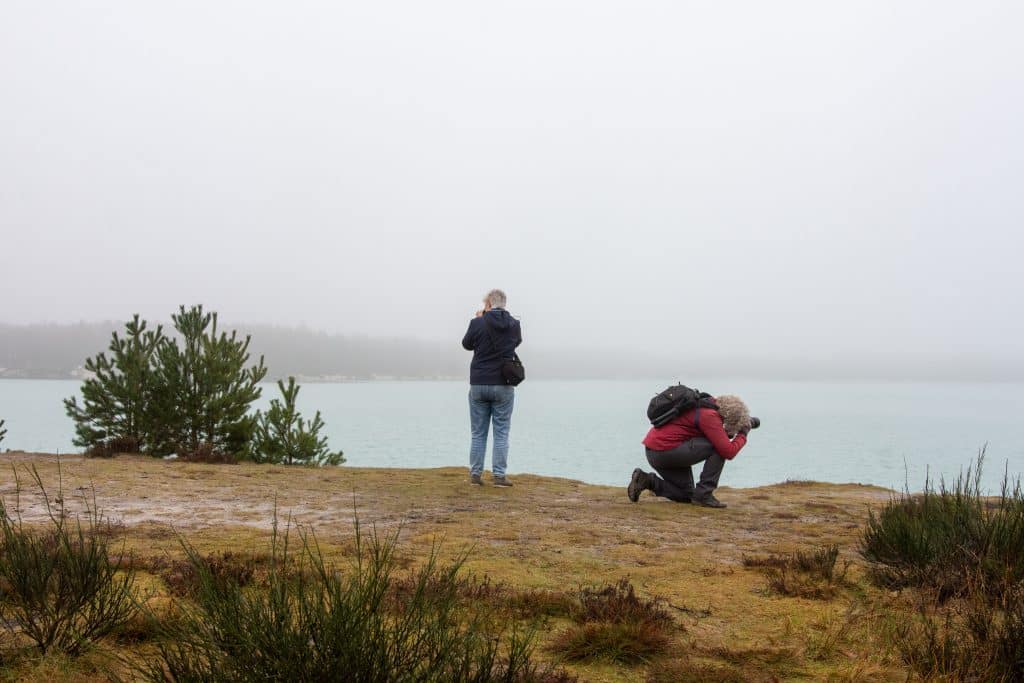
(512, 370)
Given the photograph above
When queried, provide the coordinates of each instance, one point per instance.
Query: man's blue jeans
(490, 403)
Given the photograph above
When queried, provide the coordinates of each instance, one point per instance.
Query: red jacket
(683, 428)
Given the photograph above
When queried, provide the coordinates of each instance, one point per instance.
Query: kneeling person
(711, 433)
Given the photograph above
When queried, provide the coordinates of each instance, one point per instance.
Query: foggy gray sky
(782, 179)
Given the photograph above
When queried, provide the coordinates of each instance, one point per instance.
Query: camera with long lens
(755, 422)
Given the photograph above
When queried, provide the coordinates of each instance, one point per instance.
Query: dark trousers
(676, 481)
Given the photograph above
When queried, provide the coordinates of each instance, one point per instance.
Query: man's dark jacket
(493, 338)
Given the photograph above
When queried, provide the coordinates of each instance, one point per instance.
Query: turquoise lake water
(867, 432)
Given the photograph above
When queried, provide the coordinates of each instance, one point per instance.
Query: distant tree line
(55, 352)
(191, 394)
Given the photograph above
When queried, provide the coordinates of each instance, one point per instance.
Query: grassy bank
(752, 592)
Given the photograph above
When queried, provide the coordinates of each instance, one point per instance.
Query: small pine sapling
(205, 388)
(282, 436)
(115, 396)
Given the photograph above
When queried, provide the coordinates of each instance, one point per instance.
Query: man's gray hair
(496, 298)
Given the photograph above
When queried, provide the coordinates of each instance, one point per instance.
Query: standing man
(493, 336)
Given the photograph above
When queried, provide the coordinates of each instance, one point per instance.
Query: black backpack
(673, 402)
(512, 370)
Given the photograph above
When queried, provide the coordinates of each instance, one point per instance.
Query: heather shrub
(614, 624)
(619, 603)
(806, 574)
(60, 587)
(944, 537)
(627, 642)
(311, 621)
(968, 638)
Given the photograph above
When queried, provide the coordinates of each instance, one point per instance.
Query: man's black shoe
(637, 484)
(709, 501)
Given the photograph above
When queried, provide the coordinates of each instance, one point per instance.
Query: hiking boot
(638, 483)
(709, 501)
(475, 479)
(502, 481)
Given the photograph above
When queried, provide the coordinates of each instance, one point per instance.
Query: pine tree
(114, 398)
(3, 432)
(205, 388)
(283, 436)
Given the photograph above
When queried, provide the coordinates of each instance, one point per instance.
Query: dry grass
(538, 543)
(805, 573)
(628, 642)
(618, 603)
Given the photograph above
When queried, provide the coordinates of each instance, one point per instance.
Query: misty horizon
(59, 350)
(796, 189)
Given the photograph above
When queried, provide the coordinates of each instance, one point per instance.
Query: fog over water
(786, 185)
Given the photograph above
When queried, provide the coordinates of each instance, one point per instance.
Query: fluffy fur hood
(734, 412)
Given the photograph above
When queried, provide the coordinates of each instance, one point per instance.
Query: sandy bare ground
(543, 533)
(133, 490)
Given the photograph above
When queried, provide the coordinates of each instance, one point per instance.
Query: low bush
(625, 642)
(773, 560)
(206, 452)
(968, 638)
(467, 588)
(789, 582)
(61, 587)
(182, 577)
(500, 597)
(943, 537)
(310, 622)
(614, 624)
(111, 447)
(618, 603)
(821, 563)
(531, 604)
(806, 574)
(686, 669)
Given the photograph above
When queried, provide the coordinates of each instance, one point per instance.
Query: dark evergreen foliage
(205, 389)
(283, 436)
(190, 394)
(115, 398)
